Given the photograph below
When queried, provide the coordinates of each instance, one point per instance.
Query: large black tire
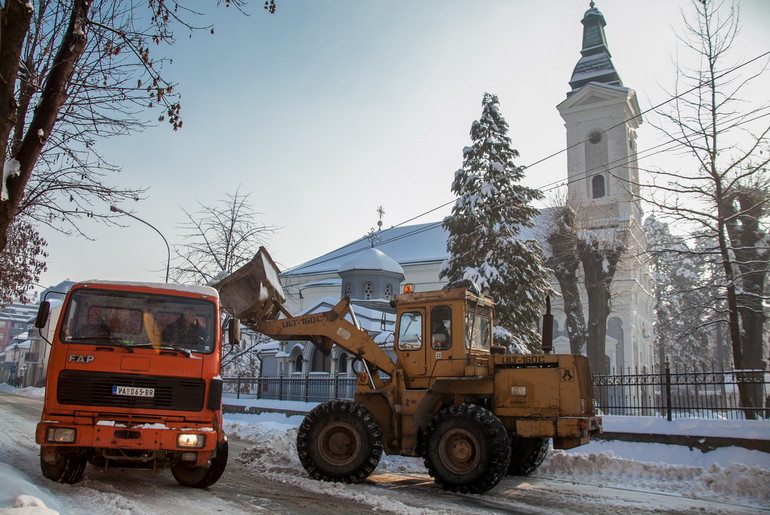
(467, 449)
(527, 454)
(68, 468)
(202, 477)
(339, 441)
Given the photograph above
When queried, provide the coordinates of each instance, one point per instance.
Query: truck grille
(95, 389)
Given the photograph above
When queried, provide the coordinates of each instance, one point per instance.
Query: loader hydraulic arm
(254, 294)
(326, 328)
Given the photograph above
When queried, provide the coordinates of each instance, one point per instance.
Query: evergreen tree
(486, 221)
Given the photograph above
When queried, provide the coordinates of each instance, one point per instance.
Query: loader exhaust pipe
(547, 344)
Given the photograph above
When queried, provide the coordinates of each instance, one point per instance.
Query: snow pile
(35, 393)
(22, 497)
(739, 481)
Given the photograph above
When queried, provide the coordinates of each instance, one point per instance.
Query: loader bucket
(253, 291)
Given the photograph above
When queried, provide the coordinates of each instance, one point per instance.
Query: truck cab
(134, 381)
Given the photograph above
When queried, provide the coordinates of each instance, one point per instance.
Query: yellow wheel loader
(450, 396)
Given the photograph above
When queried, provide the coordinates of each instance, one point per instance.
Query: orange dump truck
(134, 382)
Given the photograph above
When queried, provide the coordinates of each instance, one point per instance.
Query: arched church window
(597, 186)
(368, 290)
(320, 362)
(595, 137)
(298, 363)
(342, 364)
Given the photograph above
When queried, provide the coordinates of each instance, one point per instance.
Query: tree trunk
(52, 99)
(573, 308)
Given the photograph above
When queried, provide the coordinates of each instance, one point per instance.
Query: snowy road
(264, 475)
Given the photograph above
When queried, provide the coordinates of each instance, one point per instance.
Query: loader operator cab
(439, 331)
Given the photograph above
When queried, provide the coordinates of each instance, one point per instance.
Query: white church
(601, 117)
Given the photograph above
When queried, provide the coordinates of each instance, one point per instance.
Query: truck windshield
(133, 319)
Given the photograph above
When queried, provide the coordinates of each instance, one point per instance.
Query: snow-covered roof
(406, 245)
(371, 259)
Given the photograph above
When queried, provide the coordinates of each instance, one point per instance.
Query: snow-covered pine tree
(486, 221)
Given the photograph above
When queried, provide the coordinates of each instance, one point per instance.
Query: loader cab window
(478, 331)
(410, 331)
(440, 325)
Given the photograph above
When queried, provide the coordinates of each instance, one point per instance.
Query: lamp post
(116, 209)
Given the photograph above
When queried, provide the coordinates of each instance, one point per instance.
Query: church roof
(406, 245)
(595, 64)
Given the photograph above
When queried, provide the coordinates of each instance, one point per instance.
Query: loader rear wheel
(467, 449)
(339, 441)
(527, 454)
(201, 477)
(68, 467)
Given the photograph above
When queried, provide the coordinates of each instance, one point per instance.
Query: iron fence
(680, 392)
(663, 392)
(305, 389)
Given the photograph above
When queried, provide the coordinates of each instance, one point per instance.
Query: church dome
(371, 259)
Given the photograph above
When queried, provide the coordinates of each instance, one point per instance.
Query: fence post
(668, 391)
(280, 388)
(259, 388)
(238, 388)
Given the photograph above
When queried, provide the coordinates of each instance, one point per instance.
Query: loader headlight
(190, 440)
(61, 434)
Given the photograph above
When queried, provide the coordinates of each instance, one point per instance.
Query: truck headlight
(61, 434)
(190, 440)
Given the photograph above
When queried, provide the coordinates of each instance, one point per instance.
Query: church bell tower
(601, 117)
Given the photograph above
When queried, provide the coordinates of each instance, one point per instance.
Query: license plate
(133, 391)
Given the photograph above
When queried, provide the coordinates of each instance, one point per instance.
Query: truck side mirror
(234, 331)
(42, 314)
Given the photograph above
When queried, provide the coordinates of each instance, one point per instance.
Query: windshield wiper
(101, 339)
(166, 346)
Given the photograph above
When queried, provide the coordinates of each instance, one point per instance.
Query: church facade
(601, 117)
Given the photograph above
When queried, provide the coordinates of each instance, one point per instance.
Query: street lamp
(116, 209)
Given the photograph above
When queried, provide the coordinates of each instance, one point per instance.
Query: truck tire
(339, 441)
(527, 454)
(68, 468)
(202, 477)
(467, 449)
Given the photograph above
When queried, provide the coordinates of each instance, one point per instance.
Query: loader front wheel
(527, 454)
(339, 441)
(467, 449)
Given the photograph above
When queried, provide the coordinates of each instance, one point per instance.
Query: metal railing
(305, 389)
(664, 392)
(682, 392)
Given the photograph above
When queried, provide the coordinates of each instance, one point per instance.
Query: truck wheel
(68, 467)
(467, 449)
(201, 477)
(527, 454)
(339, 441)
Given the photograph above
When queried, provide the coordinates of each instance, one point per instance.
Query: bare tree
(220, 239)
(74, 72)
(726, 137)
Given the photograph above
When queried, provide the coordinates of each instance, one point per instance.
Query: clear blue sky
(329, 109)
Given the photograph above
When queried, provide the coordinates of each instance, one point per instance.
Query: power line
(621, 162)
